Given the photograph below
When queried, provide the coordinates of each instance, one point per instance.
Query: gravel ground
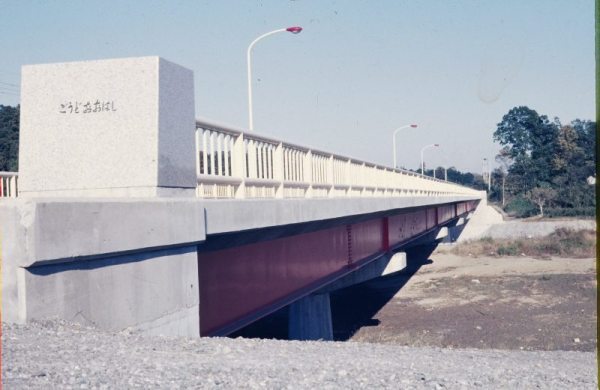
(54, 354)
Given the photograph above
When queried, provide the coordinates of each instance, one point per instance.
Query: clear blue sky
(357, 71)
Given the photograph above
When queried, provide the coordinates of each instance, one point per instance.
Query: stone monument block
(108, 128)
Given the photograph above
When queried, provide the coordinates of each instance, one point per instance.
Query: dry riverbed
(444, 300)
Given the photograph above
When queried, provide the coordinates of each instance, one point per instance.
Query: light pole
(422, 150)
(445, 173)
(394, 140)
(487, 174)
(293, 30)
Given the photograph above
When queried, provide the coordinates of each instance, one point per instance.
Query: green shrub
(546, 248)
(570, 242)
(520, 207)
(513, 248)
(562, 242)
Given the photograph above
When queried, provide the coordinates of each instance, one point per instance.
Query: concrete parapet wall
(59, 230)
(224, 216)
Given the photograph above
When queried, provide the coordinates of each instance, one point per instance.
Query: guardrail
(232, 163)
(8, 184)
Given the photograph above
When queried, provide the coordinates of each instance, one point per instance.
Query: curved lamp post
(293, 30)
(394, 141)
(422, 150)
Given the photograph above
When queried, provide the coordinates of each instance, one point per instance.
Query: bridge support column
(310, 318)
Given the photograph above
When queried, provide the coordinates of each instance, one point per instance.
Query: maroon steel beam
(240, 284)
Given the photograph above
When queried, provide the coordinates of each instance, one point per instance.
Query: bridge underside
(243, 283)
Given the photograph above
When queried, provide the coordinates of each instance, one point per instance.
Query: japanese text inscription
(88, 107)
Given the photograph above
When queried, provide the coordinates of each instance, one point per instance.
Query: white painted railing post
(348, 176)
(238, 166)
(198, 148)
(360, 180)
(308, 173)
(252, 174)
(330, 177)
(278, 165)
(386, 182)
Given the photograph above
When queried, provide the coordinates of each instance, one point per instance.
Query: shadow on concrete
(273, 326)
(351, 308)
(354, 307)
(454, 231)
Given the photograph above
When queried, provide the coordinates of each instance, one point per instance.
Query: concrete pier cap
(107, 183)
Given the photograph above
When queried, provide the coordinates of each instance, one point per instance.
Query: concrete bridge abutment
(106, 226)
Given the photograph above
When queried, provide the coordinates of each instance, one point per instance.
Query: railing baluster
(219, 154)
(296, 166)
(205, 134)
(258, 148)
(226, 156)
(270, 150)
(251, 159)
(197, 134)
(212, 170)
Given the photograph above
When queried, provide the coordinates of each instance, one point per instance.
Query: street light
(293, 30)
(422, 150)
(486, 173)
(394, 140)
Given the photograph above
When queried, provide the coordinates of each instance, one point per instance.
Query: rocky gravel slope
(55, 354)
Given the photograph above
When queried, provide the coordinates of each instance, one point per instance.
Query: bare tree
(541, 196)
(504, 161)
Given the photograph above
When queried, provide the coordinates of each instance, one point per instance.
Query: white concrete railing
(8, 184)
(232, 163)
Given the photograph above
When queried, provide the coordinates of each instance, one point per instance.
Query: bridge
(141, 216)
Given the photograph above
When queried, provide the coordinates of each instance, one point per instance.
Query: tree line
(468, 179)
(544, 167)
(9, 138)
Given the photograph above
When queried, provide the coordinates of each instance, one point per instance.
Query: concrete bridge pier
(310, 318)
